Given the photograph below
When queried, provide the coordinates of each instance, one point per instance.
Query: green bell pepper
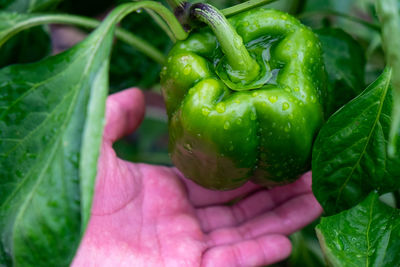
(229, 124)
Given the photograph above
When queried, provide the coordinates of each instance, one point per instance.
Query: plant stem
(161, 23)
(230, 11)
(388, 15)
(342, 15)
(124, 35)
(116, 16)
(123, 10)
(238, 58)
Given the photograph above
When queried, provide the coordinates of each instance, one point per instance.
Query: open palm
(145, 215)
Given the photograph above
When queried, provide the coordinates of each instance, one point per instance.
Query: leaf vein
(366, 143)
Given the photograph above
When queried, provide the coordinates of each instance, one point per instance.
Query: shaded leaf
(344, 62)
(366, 235)
(350, 153)
(86, 8)
(26, 47)
(129, 67)
(51, 120)
(306, 251)
(28, 6)
(12, 23)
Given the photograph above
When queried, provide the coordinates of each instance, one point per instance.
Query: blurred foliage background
(130, 68)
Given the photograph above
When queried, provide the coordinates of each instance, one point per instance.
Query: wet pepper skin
(221, 138)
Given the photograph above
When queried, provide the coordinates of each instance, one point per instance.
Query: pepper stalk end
(240, 65)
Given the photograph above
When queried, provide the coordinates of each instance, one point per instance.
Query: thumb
(124, 113)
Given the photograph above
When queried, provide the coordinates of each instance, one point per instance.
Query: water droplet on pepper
(273, 99)
(287, 127)
(313, 99)
(220, 107)
(187, 70)
(227, 125)
(205, 111)
(285, 106)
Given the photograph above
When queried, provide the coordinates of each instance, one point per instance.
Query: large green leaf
(344, 62)
(366, 235)
(51, 120)
(350, 153)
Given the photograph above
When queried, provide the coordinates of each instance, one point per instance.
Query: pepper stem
(241, 65)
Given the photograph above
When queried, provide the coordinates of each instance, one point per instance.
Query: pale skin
(146, 215)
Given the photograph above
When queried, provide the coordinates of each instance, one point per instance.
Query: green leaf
(51, 120)
(12, 23)
(356, 16)
(350, 153)
(366, 235)
(344, 62)
(26, 47)
(28, 6)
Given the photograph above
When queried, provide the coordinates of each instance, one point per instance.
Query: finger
(200, 196)
(285, 219)
(215, 217)
(261, 251)
(124, 112)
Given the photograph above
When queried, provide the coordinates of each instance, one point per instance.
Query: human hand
(145, 215)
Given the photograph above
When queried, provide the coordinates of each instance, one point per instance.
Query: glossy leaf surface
(51, 120)
(366, 235)
(344, 62)
(350, 154)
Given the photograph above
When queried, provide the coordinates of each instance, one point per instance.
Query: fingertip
(316, 205)
(278, 247)
(124, 113)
